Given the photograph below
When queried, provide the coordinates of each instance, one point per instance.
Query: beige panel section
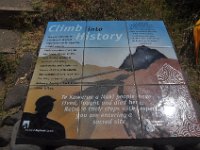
(56, 69)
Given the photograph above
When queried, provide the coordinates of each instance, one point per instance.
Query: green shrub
(6, 66)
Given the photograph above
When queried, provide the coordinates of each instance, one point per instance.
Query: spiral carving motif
(184, 122)
(169, 75)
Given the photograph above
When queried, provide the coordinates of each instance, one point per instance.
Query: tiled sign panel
(107, 80)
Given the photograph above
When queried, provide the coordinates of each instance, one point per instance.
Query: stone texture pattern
(9, 40)
(16, 5)
(15, 96)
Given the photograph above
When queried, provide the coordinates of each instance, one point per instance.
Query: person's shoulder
(55, 123)
(27, 115)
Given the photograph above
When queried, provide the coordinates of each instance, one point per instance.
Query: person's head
(44, 104)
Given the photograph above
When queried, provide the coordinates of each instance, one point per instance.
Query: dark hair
(44, 102)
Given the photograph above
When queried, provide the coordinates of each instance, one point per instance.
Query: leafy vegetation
(6, 66)
(185, 9)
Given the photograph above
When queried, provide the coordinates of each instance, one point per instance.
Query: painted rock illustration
(141, 59)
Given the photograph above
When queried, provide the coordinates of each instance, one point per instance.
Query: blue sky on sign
(152, 33)
(67, 29)
(113, 31)
(105, 57)
(107, 39)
